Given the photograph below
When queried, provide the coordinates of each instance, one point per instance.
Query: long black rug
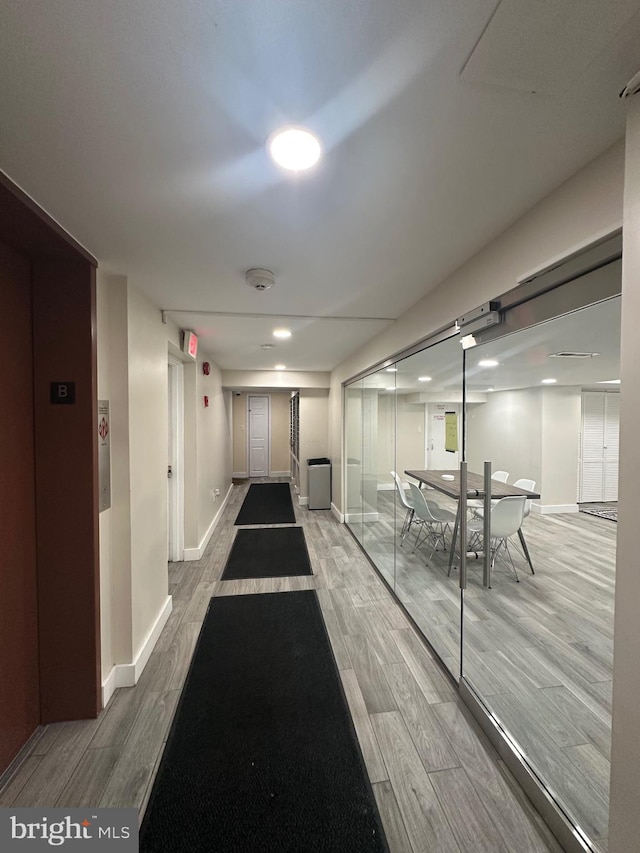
(262, 754)
(267, 503)
(268, 552)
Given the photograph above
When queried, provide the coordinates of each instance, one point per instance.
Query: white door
(258, 436)
(438, 458)
(599, 446)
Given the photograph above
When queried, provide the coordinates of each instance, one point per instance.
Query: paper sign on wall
(451, 432)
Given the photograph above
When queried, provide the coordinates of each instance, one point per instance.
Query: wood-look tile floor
(439, 784)
(539, 651)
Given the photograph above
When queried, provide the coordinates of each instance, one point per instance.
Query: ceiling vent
(260, 279)
(573, 354)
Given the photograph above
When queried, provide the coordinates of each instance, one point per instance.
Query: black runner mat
(268, 552)
(262, 756)
(267, 503)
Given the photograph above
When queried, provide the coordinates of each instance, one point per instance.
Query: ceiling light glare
(281, 333)
(295, 149)
(608, 382)
(392, 369)
(391, 388)
(488, 362)
(490, 389)
(280, 367)
(424, 379)
(549, 381)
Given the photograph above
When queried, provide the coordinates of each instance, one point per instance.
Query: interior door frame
(175, 484)
(248, 416)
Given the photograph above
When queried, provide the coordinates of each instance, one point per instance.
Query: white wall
(561, 427)
(102, 337)
(213, 446)
(586, 207)
(134, 344)
(283, 380)
(314, 431)
(149, 440)
(624, 816)
(517, 446)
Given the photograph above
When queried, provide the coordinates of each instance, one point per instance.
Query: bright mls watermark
(69, 829)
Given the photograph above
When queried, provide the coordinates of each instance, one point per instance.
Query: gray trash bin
(319, 482)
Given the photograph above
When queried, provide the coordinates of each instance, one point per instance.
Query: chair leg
(525, 549)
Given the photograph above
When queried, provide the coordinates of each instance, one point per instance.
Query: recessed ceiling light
(549, 381)
(608, 382)
(280, 367)
(488, 362)
(571, 354)
(424, 379)
(281, 333)
(392, 369)
(294, 148)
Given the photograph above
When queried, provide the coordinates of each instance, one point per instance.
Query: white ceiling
(140, 126)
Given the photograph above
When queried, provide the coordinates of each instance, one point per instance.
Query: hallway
(438, 783)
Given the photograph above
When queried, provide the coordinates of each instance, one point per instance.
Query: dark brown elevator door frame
(19, 679)
(56, 345)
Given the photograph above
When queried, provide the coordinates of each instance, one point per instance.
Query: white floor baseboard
(552, 509)
(339, 515)
(127, 674)
(196, 553)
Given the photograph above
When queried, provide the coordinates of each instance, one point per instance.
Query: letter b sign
(63, 393)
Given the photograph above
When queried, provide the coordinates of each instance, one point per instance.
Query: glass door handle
(462, 526)
(486, 531)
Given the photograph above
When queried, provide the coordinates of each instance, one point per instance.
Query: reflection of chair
(433, 520)
(500, 477)
(407, 504)
(506, 521)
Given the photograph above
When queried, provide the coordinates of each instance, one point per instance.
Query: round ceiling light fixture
(294, 148)
(281, 333)
(260, 279)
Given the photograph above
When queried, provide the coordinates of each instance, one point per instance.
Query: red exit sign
(190, 344)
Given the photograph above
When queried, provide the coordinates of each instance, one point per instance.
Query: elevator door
(19, 698)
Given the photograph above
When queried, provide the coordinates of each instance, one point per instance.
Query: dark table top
(475, 483)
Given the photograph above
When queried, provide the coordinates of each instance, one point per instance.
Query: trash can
(319, 483)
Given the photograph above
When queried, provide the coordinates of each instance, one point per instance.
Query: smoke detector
(260, 279)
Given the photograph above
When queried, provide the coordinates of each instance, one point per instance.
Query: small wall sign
(63, 394)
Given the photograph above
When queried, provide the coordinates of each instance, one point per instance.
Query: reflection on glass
(539, 651)
(353, 468)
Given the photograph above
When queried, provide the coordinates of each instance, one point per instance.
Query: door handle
(169, 472)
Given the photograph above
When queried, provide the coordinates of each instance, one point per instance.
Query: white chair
(475, 505)
(530, 486)
(433, 521)
(506, 520)
(407, 503)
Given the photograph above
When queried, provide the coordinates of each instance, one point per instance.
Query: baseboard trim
(553, 509)
(339, 515)
(303, 500)
(280, 474)
(196, 553)
(386, 487)
(352, 517)
(127, 674)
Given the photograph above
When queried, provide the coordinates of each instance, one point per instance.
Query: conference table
(448, 482)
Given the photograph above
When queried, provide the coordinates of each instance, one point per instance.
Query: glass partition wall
(533, 650)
